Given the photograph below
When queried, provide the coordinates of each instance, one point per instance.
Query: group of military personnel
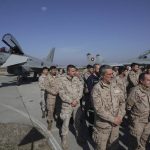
(112, 93)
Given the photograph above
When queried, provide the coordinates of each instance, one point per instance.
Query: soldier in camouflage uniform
(121, 80)
(148, 69)
(109, 106)
(89, 71)
(128, 68)
(79, 75)
(115, 71)
(138, 104)
(51, 87)
(42, 88)
(133, 76)
(70, 92)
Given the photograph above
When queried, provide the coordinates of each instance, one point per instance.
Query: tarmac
(21, 105)
(16, 136)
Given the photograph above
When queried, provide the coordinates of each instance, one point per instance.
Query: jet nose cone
(2, 58)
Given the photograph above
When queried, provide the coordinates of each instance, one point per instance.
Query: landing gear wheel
(19, 80)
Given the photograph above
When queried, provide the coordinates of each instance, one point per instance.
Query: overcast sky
(115, 29)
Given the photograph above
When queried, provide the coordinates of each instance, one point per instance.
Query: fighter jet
(94, 59)
(20, 64)
(143, 59)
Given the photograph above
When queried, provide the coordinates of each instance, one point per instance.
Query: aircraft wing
(142, 62)
(111, 63)
(129, 62)
(15, 60)
(138, 61)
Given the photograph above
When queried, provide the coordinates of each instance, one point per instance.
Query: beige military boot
(64, 142)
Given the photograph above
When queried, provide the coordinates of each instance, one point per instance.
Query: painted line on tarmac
(51, 140)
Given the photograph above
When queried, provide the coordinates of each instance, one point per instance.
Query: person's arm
(89, 84)
(63, 95)
(99, 106)
(131, 99)
(52, 91)
(122, 106)
(80, 94)
(133, 79)
(41, 83)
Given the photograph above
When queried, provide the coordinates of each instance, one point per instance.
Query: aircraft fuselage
(3, 57)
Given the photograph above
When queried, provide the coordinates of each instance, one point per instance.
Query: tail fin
(50, 56)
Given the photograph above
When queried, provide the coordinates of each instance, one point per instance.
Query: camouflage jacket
(138, 103)
(122, 84)
(115, 73)
(51, 85)
(70, 89)
(42, 82)
(133, 78)
(109, 102)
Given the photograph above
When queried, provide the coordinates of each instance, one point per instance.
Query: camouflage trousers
(43, 100)
(50, 107)
(106, 139)
(67, 112)
(139, 134)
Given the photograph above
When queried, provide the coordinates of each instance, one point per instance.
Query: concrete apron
(16, 136)
(53, 144)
